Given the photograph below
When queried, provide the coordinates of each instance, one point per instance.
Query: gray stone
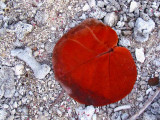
(143, 29)
(124, 116)
(22, 29)
(124, 42)
(156, 62)
(3, 114)
(41, 18)
(97, 13)
(7, 85)
(111, 19)
(149, 117)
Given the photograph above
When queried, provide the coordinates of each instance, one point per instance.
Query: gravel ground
(31, 28)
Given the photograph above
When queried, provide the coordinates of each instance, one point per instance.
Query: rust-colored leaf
(153, 81)
(90, 66)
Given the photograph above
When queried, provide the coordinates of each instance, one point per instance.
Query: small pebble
(124, 42)
(140, 55)
(19, 69)
(111, 19)
(123, 107)
(92, 3)
(86, 7)
(133, 6)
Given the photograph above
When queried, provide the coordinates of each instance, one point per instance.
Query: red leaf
(90, 67)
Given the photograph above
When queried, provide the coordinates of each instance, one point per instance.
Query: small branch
(146, 105)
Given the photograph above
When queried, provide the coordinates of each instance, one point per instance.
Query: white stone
(3, 114)
(142, 29)
(85, 114)
(11, 117)
(97, 13)
(157, 13)
(120, 24)
(100, 4)
(140, 98)
(123, 107)
(86, 7)
(92, 3)
(5, 106)
(15, 105)
(111, 19)
(83, 17)
(148, 91)
(124, 42)
(7, 85)
(59, 112)
(24, 100)
(40, 71)
(158, 47)
(156, 62)
(94, 117)
(140, 55)
(22, 29)
(148, 117)
(125, 116)
(19, 69)
(2, 5)
(133, 6)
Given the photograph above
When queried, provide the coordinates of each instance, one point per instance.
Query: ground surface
(38, 24)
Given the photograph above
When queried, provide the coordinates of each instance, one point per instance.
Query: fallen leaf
(90, 66)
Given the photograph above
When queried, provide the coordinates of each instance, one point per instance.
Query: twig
(145, 105)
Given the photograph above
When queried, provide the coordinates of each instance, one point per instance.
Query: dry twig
(146, 105)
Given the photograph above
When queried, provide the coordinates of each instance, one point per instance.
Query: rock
(113, 105)
(143, 29)
(131, 24)
(148, 91)
(42, 117)
(19, 69)
(124, 42)
(3, 114)
(94, 117)
(120, 24)
(125, 116)
(7, 85)
(59, 113)
(97, 13)
(11, 117)
(158, 47)
(5, 106)
(41, 18)
(156, 62)
(100, 4)
(83, 17)
(40, 71)
(111, 19)
(140, 98)
(157, 14)
(149, 117)
(140, 55)
(85, 114)
(86, 7)
(123, 107)
(2, 5)
(15, 105)
(22, 29)
(133, 6)
(92, 3)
